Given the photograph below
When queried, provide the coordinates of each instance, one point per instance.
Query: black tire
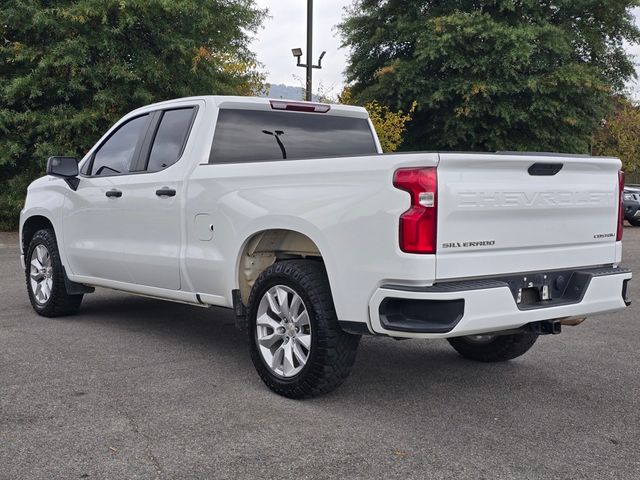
(333, 351)
(59, 302)
(634, 222)
(496, 348)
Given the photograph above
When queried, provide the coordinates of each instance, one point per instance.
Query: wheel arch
(265, 247)
(30, 226)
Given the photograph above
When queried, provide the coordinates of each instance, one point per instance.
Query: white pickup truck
(289, 213)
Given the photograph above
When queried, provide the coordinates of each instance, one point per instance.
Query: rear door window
(170, 138)
(253, 136)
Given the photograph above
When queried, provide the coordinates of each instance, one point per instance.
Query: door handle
(113, 193)
(166, 192)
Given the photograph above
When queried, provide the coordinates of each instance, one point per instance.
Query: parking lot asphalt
(138, 388)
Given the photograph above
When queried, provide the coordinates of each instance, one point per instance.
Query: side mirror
(65, 168)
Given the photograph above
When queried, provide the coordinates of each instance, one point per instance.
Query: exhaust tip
(572, 322)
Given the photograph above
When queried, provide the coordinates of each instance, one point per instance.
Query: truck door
(94, 225)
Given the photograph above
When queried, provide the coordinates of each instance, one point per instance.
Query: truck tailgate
(510, 213)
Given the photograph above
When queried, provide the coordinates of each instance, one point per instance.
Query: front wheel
(45, 277)
(635, 222)
(296, 344)
(493, 348)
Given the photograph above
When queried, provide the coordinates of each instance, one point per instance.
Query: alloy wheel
(283, 331)
(41, 274)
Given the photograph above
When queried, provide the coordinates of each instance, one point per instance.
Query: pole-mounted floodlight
(320, 59)
(297, 52)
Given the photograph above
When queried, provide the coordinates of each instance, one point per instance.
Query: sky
(286, 28)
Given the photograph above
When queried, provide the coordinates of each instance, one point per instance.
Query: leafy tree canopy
(492, 74)
(390, 126)
(69, 69)
(619, 136)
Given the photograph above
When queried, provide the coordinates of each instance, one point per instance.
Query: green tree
(492, 74)
(619, 136)
(69, 69)
(390, 126)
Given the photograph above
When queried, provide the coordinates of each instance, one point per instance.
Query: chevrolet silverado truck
(289, 213)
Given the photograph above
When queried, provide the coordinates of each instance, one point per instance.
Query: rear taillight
(620, 205)
(418, 225)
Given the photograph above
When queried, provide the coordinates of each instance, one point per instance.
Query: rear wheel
(493, 348)
(296, 344)
(634, 222)
(45, 277)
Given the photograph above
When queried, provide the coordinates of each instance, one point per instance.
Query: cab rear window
(255, 136)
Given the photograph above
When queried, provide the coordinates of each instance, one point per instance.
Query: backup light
(427, 199)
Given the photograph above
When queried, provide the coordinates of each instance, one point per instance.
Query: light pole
(297, 52)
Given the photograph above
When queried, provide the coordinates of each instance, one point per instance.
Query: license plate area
(534, 289)
(529, 296)
(546, 289)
